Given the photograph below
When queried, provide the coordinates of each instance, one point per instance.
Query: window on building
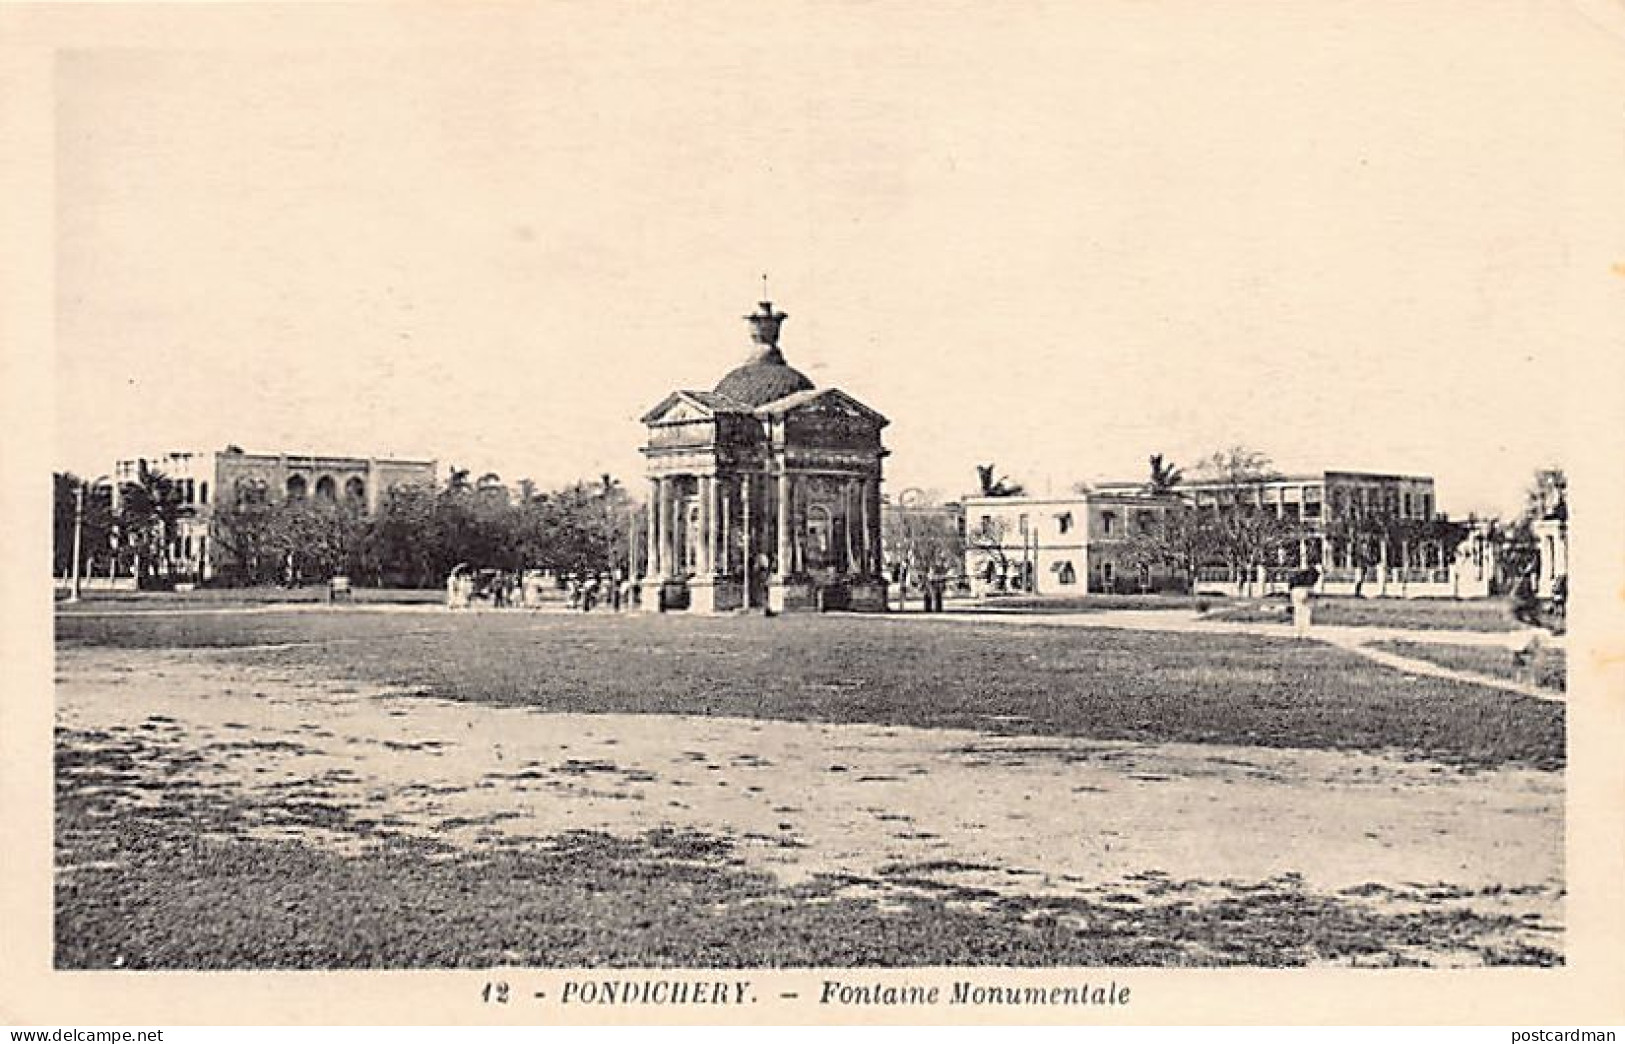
(985, 524)
(1063, 521)
(203, 493)
(1146, 521)
(1108, 522)
(1427, 505)
(1021, 523)
(296, 487)
(1066, 574)
(1108, 576)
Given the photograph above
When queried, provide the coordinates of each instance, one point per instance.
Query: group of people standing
(506, 589)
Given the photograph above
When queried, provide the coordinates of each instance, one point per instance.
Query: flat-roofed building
(1066, 545)
(203, 480)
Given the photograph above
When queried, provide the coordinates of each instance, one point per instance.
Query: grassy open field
(336, 789)
(1132, 685)
(1427, 614)
(1546, 668)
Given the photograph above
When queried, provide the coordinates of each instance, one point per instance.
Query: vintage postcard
(814, 513)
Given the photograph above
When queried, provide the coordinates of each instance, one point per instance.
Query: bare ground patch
(340, 825)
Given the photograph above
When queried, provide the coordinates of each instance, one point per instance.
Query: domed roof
(764, 378)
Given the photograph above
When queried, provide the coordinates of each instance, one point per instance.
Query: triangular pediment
(682, 406)
(823, 402)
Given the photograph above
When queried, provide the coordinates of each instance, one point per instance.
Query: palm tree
(149, 510)
(457, 481)
(1000, 487)
(1164, 476)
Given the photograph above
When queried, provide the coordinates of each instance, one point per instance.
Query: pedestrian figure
(1525, 604)
(457, 591)
(1302, 588)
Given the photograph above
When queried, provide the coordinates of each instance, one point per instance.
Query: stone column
(725, 529)
(679, 529)
(871, 528)
(865, 555)
(747, 489)
(848, 517)
(785, 564)
(668, 527)
(651, 559)
(707, 522)
(713, 524)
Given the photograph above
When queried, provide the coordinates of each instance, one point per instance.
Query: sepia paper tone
(809, 96)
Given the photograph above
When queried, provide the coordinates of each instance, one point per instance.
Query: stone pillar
(872, 523)
(651, 558)
(713, 524)
(702, 567)
(679, 529)
(747, 490)
(668, 527)
(725, 542)
(786, 564)
(849, 516)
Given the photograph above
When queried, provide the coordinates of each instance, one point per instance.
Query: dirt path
(1357, 640)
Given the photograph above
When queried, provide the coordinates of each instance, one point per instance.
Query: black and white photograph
(811, 512)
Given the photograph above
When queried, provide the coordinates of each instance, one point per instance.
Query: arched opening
(820, 541)
(297, 487)
(355, 490)
(326, 488)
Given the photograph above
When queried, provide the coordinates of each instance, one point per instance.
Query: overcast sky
(1057, 239)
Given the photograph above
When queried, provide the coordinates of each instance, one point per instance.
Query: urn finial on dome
(764, 324)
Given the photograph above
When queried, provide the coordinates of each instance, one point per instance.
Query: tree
(1182, 539)
(986, 540)
(402, 539)
(1246, 533)
(244, 546)
(923, 540)
(1517, 549)
(149, 512)
(96, 525)
(996, 487)
(1164, 476)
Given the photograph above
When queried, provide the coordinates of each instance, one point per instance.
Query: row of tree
(132, 539)
(416, 537)
(419, 534)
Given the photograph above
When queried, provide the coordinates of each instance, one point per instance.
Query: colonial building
(1367, 533)
(207, 479)
(763, 491)
(1067, 545)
